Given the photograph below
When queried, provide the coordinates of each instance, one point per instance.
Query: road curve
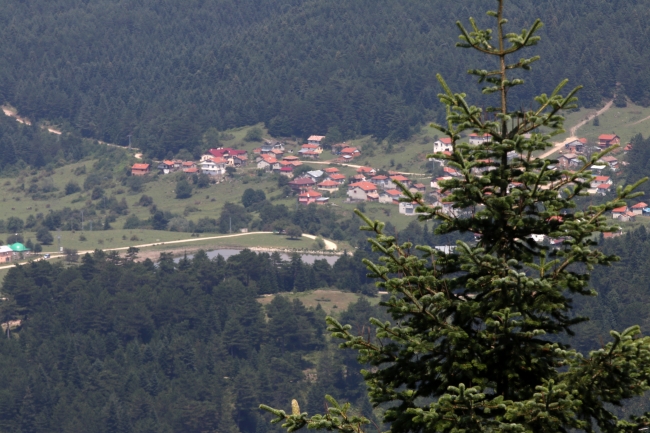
(329, 245)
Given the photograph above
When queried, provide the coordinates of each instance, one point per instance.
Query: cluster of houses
(625, 213)
(577, 148)
(213, 163)
(366, 185)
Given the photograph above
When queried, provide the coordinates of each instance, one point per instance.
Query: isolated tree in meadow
(480, 335)
(294, 232)
(183, 189)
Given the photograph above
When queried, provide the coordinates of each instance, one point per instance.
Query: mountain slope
(166, 73)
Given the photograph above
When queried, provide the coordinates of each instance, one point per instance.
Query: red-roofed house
(607, 140)
(350, 152)
(140, 169)
(637, 209)
(619, 212)
(225, 152)
(166, 166)
(381, 181)
(188, 165)
(309, 196)
(599, 180)
(214, 167)
(475, 138)
(391, 196)
(360, 190)
(418, 187)
(603, 188)
(366, 171)
(311, 148)
(316, 139)
(330, 170)
(302, 183)
(450, 171)
(329, 186)
(402, 179)
(287, 170)
(337, 177)
(443, 144)
(268, 162)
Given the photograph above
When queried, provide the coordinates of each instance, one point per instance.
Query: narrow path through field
(329, 245)
(573, 131)
(639, 121)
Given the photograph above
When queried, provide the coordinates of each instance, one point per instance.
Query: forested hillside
(166, 72)
(114, 345)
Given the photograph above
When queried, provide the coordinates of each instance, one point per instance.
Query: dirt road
(10, 112)
(574, 130)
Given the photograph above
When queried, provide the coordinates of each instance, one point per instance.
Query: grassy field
(106, 239)
(332, 301)
(625, 122)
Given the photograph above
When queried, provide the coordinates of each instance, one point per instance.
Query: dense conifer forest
(116, 345)
(113, 345)
(165, 73)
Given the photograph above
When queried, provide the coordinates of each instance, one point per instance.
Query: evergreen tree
(479, 339)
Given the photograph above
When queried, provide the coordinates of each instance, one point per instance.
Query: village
(368, 184)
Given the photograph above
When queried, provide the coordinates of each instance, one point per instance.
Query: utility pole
(82, 221)
(58, 237)
(129, 140)
(230, 230)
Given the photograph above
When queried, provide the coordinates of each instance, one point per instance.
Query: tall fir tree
(480, 335)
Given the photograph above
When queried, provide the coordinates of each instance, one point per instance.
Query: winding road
(329, 245)
(574, 130)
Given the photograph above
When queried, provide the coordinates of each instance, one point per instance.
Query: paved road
(329, 245)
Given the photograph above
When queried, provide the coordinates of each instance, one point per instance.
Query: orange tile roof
(445, 140)
(328, 183)
(140, 167)
(365, 169)
(602, 178)
(399, 178)
(621, 209)
(607, 136)
(639, 206)
(337, 176)
(310, 193)
(331, 170)
(269, 159)
(366, 186)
